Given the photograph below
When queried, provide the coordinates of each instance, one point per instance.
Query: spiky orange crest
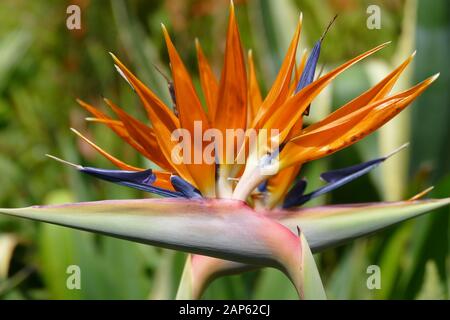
(235, 102)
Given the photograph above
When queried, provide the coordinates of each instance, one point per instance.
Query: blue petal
(335, 179)
(262, 187)
(310, 67)
(141, 180)
(309, 71)
(338, 174)
(294, 194)
(143, 177)
(187, 189)
(335, 184)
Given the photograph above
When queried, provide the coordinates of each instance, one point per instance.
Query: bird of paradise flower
(232, 217)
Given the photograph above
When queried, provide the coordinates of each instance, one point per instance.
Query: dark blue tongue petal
(309, 71)
(335, 179)
(262, 187)
(310, 67)
(141, 180)
(142, 177)
(339, 174)
(294, 194)
(187, 189)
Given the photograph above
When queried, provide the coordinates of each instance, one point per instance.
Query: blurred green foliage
(44, 67)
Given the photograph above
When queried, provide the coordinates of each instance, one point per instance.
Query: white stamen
(403, 146)
(123, 76)
(65, 162)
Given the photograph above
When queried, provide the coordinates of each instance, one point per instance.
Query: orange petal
(285, 72)
(163, 121)
(114, 125)
(280, 89)
(296, 130)
(117, 127)
(209, 83)
(330, 131)
(379, 116)
(285, 117)
(191, 111)
(189, 106)
(254, 93)
(93, 110)
(108, 122)
(279, 184)
(298, 72)
(156, 109)
(118, 163)
(163, 180)
(144, 135)
(231, 111)
(344, 123)
(164, 138)
(377, 92)
(312, 146)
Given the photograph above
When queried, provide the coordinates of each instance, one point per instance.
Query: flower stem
(303, 273)
(188, 288)
(199, 271)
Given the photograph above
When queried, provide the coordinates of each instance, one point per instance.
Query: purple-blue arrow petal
(187, 189)
(335, 178)
(262, 187)
(310, 67)
(309, 71)
(339, 174)
(294, 194)
(141, 180)
(141, 177)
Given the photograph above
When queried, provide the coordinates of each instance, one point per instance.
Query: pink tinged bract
(324, 227)
(230, 230)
